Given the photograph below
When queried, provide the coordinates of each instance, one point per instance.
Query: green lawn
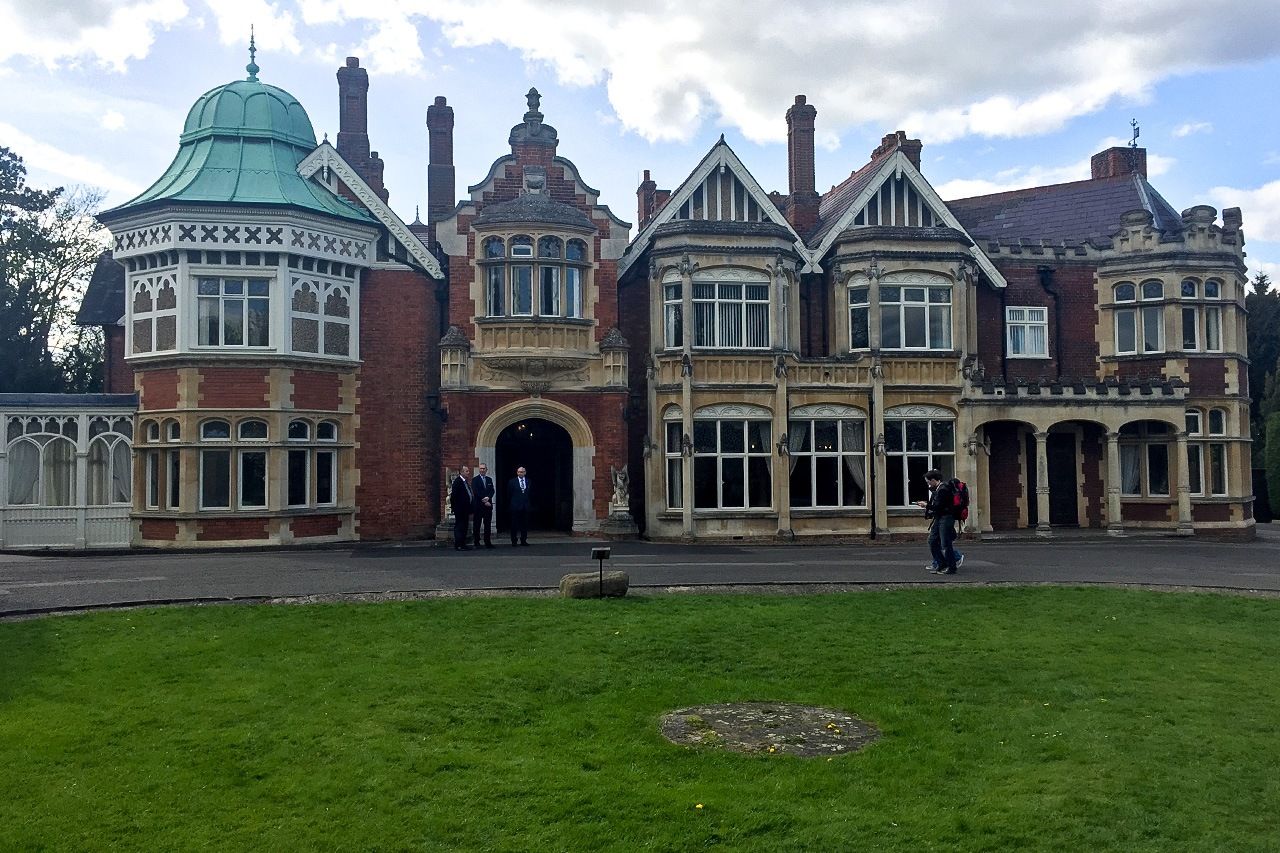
(1042, 718)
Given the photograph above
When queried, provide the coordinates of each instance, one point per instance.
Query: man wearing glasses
(940, 509)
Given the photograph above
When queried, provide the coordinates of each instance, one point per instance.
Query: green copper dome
(241, 144)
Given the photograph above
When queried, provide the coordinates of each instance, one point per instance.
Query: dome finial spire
(252, 67)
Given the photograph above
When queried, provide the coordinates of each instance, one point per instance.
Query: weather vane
(1133, 143)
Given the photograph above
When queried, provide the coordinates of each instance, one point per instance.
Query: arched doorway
(546, 452)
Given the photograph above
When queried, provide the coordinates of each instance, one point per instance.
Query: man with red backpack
(948, 503)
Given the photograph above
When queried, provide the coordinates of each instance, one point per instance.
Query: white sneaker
(959, 560)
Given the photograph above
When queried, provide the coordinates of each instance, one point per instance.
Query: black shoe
(487, 545)
(464, 547)
(526, 544)
(946, 571)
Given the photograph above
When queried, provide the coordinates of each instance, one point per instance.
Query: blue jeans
(942, 537)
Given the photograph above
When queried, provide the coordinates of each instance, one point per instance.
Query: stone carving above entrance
(534, 374)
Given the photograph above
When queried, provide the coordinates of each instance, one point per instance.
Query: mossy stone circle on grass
(773, 728)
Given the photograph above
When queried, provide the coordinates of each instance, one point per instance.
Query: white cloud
(60, 33)
(274, 28)
(80, 170)
(1261, 208)
(1192, 127)
(1022, 177)
(112, 120)
(1270, 268)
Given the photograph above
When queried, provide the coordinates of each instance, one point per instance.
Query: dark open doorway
(1064, 486)
(546, 452)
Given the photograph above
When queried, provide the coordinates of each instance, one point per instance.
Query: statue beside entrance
(620, 524)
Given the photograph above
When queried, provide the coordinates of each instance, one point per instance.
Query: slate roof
(533, 208)
(836, 200)
(68, 401)
(103, 303)
(1072, 213)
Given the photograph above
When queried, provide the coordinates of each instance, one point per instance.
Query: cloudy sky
(1004, 93)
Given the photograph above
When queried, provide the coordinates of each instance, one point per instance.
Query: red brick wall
(1092, 449)
(633, 320)
(315, 525)
(117, 376)
(1076, 288)
(398, 438)
(232, 387)
(1146, 512)
(165, 529)
(1210, 512)
(159, 389)
(1137, 369)
(316, 390)
(1005, 467)
(1207, 375)
(227, 529)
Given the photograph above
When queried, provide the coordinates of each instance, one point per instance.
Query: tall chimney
(353, 113)
(440, 172)
(802, 211)
(645, 197)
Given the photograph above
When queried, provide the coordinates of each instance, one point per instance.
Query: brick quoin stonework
(158, 389)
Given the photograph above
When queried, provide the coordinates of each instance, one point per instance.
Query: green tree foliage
(1263, 305)
(1272, 466)
(49, 243)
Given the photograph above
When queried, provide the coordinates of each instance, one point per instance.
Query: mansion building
(291, 362)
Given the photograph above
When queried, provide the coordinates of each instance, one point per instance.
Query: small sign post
(601, 554)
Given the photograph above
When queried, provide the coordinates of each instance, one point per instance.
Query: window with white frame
(1027, 331)
(1206, 458)
(827, 455)
(1139, 327)
(859, 316)
(320, 316)
(731, 314)
(732, 456)
(673, 314)
(153, 314)
(916, 439)
(915, 312)
(173, 492)
(312, 466)
(233, 311)
(673, 453)
(42, 461)
(1144, 459)
(526, 278)
(218, 452)
(1201, 315)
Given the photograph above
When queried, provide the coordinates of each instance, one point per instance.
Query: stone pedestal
(593, 585)
(619, 525)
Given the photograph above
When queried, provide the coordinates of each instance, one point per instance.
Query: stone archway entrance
(546, 452)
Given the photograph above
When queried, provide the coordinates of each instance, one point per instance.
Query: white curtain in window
(99, 472)
(856, 469)
(59, 473)
(24, 472)
(121, 481)
(1130, 465)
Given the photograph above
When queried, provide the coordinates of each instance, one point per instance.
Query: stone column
(983, 478)
(967, 469)
(1115, 526)
(686, 391)
(1184, 488)
(781, 458)
(880, 520)
(1042, 484)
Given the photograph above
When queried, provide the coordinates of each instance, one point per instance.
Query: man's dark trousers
(942, 537)
(519, 502)
(481, 513)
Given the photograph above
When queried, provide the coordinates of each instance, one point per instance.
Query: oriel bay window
(321, 316)
(233, 312)
(522, 282)
(827, 448)
(916, 439)
(731, 459)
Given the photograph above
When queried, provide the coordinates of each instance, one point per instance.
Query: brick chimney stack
(646, 197)
(1118, 161)
(440, 171)
(802, 211)
(353, 125)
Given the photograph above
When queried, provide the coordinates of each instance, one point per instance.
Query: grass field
(1037, 718)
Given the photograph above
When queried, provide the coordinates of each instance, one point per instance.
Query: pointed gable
(889, 191)
(720, 189)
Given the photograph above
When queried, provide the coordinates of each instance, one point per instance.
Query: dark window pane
(704, 436)
(760, 482)
(215, 479)
(233, 320)
(253, 478)
(733, 485)
(298, 477)
(673, 437)
(853, 470)
(917, 488)
(825, 437)
(860, 337)
(731, 437)
(758, 433)
(827, 483)
(175, 480)
(913, 321)
(917, 436)
(705, 482)
(853, 435)
(1194, 469)
(801, 488)
(1158, 469)
(890, 334)
(944, 436)
(326, 465)
(895, 494)
(675, 483)
(893, 436)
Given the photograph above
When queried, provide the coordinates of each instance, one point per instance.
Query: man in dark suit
(520, 499)
(461, 501)
(482, 511)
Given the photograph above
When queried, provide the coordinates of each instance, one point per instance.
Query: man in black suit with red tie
(521, 498)
(460, 501)
(482, 511)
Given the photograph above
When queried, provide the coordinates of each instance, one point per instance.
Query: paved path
(31, 583)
